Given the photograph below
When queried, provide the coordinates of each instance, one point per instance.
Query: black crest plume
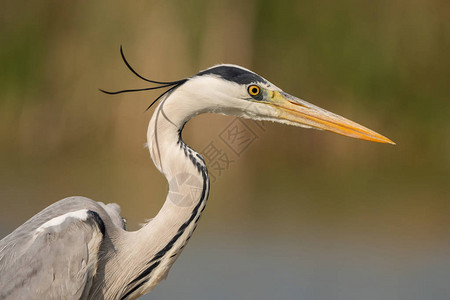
(162, 84)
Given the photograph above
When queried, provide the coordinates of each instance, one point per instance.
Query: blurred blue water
(233, 267)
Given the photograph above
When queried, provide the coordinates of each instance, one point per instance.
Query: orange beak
(306, 114)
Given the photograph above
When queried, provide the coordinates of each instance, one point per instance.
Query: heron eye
(254, 90)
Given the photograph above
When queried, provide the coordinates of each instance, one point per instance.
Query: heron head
(234, 90)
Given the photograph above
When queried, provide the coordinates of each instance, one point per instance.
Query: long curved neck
(184, 169)
(163, 238)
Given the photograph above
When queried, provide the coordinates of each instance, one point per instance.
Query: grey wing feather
(58, 261)
(113, 210)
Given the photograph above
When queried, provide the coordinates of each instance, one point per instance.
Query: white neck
(164, 237)
(184, 169)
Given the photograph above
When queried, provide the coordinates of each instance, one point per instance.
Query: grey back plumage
(54, 254)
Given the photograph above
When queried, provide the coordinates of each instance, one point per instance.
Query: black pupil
(254, 90)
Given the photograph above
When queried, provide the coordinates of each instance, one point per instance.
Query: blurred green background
(301, 214)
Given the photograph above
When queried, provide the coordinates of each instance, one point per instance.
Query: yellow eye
(254, 90)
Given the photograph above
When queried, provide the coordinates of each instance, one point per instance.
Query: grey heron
(77, 248)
